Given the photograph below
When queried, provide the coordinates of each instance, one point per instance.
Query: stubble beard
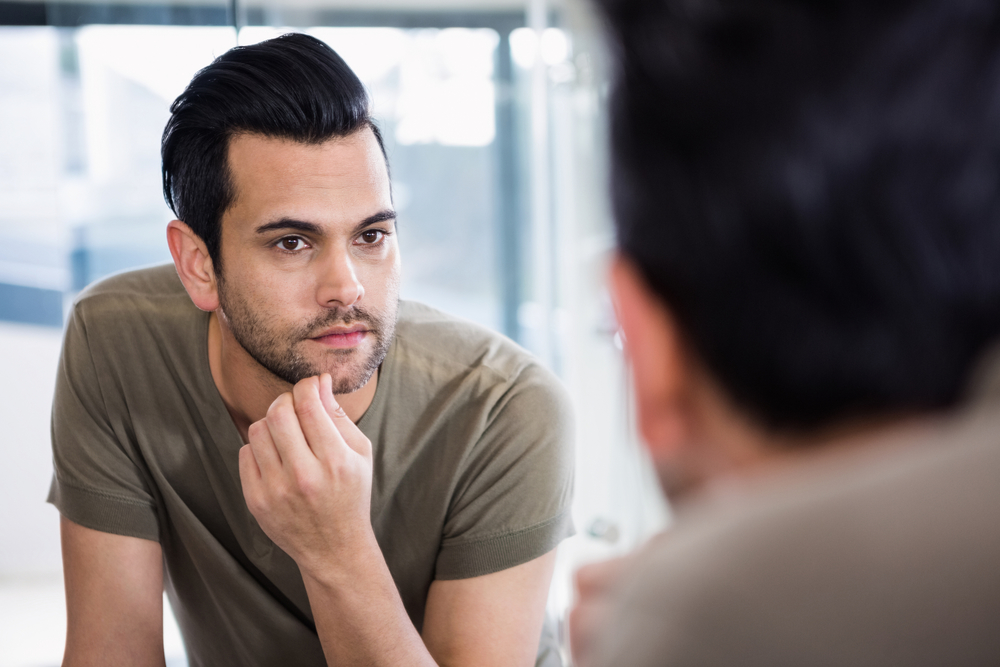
(277, 351)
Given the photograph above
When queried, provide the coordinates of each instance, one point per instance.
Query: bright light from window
(524, 47)
(437, 85)
(371, 52)
(446, 91)
(161, 58)
(555, 46)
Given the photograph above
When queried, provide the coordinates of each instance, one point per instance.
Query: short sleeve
(512, 503)
(99, 481)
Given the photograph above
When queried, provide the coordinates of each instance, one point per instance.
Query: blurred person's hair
(292, 87)
(814, 190)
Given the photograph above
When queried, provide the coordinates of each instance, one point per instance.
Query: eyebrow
(313, 228)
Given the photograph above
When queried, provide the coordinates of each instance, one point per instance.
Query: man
(315, 477)
(808, 282)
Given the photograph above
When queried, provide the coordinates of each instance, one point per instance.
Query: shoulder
(154, 282)
(121, 299)
(442, 364)
(132, 319)
(434, 338)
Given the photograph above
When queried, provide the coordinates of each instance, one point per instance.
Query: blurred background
(493, 114)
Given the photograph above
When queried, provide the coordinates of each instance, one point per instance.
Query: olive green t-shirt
(471, 438)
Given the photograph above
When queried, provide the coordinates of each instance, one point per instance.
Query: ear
(193, 264)
(660, 370)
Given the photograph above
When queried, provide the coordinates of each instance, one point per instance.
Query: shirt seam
(105, 494)
(510, 533)
(507, 377)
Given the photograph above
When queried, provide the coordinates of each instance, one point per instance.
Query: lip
(342, 337)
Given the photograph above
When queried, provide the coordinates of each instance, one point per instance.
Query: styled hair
(291, 87)
(813, 188)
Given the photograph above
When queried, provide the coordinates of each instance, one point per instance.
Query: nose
(338, 284)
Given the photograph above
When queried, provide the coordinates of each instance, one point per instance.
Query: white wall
(29, 528)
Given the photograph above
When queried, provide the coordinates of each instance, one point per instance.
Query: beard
(277, 350)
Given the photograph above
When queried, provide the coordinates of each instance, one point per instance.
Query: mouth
(342, 337)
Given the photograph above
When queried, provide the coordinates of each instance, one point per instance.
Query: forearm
(359, 615)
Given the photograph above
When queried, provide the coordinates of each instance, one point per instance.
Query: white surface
(29, 528)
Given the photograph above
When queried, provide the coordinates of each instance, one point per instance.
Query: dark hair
(814, 190)
(292, 87)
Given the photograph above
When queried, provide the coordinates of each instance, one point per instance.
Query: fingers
(249, 474)
(249, 470)
(286, 434)
(320, 432)
(350, 432)
(262, 449)
(305, 423)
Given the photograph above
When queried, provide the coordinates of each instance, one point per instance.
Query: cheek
(381, 279)
(271, 293)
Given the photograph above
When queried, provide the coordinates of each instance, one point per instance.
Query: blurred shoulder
(853, 547)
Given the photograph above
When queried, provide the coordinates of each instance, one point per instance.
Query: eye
(370, 237)
(291, 243)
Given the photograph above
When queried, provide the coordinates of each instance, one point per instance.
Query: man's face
(310, 264)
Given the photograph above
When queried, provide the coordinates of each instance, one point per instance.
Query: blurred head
(810, 190)
(286, 226)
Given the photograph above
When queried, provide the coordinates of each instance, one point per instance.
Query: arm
(495, 619)
(307, 479)
(114, 598)
(491, 620)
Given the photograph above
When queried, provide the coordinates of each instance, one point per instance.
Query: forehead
(341, 179)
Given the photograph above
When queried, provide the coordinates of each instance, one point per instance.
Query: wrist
(349, 566)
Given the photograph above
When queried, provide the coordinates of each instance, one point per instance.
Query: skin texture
(307, 244)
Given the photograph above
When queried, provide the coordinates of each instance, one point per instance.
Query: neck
(248, 389)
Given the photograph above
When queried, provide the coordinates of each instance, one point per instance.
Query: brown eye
(291, 243)
(370, 237)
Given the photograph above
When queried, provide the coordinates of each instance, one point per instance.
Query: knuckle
(254, 432)
(280, 405)
(281, 493)
(305, 480)
(255, 502)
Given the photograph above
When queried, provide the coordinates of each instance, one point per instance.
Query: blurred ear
(193, 264)
(660, 370)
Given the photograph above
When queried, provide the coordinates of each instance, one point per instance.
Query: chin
(349, 380)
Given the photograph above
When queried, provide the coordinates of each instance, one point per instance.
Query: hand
(595, 585)
(307, 478)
